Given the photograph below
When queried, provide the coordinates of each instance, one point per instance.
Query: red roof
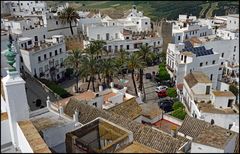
(180, 86)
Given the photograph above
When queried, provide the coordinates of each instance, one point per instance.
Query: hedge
(179, 113)
(56, 88)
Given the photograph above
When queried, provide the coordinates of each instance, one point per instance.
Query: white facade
(40, 59)
(181, 63)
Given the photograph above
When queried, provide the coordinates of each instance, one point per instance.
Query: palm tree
(121, 59)
(91, 68)
(146, 55)
(108, 68)
(74, 61)
(98, 46)
(69, 15)
(135, 62)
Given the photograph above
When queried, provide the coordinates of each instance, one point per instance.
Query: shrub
(171, 92)
(179, 113)
(163, 73)
(56, 88)
(177, 105)
(233, 89)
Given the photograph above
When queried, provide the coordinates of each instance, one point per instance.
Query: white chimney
(112, 84)
(16, 101)
(61, 110)
(100, 88)
(48, 103)
(75, 116)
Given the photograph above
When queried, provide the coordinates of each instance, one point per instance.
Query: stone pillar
(16, 100)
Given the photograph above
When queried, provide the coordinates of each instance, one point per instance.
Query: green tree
(147, 55)
(73, 61)
(163, 73)
(234, 90)
(135, 62)
(108, 68)
(177, 105)
(69, 15)
(171, 92)
(121, 60)
(179, 113)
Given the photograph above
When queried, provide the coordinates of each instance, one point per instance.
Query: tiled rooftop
(136, 147)
(196, 77)
(215, 136)
(34, 139)
(150, 110)
(166, 125)
(129, 109)
(145, 135)
(223, 93)
(206, 107)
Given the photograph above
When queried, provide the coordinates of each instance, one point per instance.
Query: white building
(183, 58)
(203, 103)
(120, 33)
(187, 27)
(44, 60)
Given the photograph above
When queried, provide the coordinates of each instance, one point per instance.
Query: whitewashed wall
(5, 132)
(172, 119)
(23, 143)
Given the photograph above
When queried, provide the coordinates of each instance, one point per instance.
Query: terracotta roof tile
(223, 93)
(129, 109)
(136, 147)
(162, 142)
(34, 139)
(196, 77)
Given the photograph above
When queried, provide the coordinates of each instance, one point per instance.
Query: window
(127, 38)
(50, 17)
(116, 35)
(27, 3)
(211, 77)
(213, 62)
(206, 63)
(221, 63)
(234, 22)
(220, 68)
(21, 59)
(57, 62)
(13, 10)
(45, 56)
(234, 49)
(98, 36)
(230, 126)
(95, 104)
(107, 36)
(201, 64)
(158, 42)
(146, 44)
(222, 55)
(29, 42)
(36, 38)
(56, 22)
(146, 23)
(50, 54)
(181, 57)
(56, 52)
(21, 4)
(46, 67)
(179, 38)
(39, 58)
(127, 47)
(44, 36)
(212, 122)
(60, 50)
(121, 46)
(40, 70)
(207, 90)
(137, 22)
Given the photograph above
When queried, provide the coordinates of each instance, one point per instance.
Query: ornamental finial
(10, 54)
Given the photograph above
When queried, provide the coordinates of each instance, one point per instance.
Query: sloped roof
(196, 77)
(193, 127)
(145, 135)
(136, 147)
(129, 109)
(204, 133)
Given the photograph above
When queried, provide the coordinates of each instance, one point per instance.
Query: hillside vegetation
(164, 9)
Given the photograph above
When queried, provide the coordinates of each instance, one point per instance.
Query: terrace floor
(166, 125)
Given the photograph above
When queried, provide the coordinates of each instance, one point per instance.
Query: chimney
(174, 132)
(61, 110)
(100, 88)
(75, 116)
(48, 103)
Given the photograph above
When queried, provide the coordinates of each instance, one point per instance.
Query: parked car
(162, 93)
(160, 88)
(166, 105)
(148, 76)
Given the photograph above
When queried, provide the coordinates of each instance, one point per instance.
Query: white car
(160, 88)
